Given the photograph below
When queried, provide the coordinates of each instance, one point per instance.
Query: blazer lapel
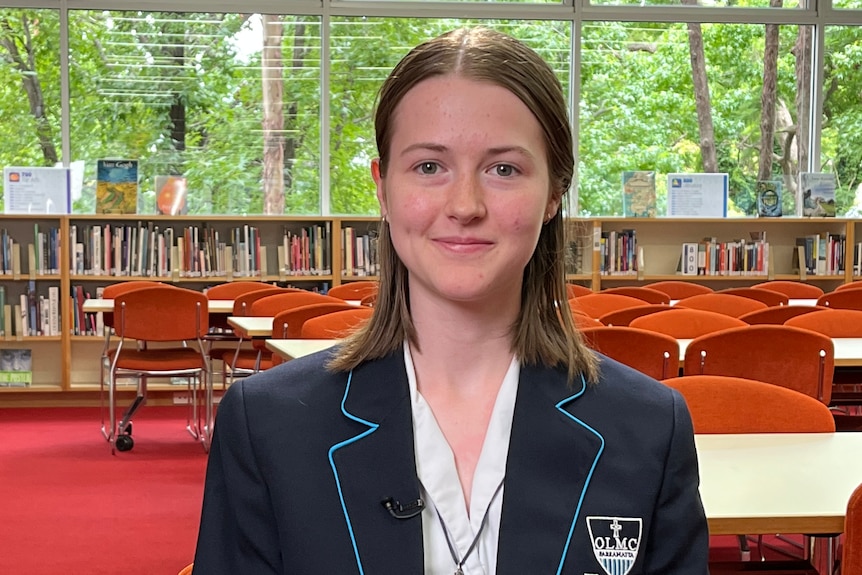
(378, 463)
(551, 458)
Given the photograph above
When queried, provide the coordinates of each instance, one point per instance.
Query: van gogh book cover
(116, 186)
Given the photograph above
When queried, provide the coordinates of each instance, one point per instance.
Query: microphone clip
(399, 511)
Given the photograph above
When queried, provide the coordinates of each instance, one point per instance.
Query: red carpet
(70, 507)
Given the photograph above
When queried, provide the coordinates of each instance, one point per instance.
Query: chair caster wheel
(124, 443)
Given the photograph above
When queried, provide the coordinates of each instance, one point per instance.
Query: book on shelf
(171, 192)
(768, 197)
(819, 254)
(116, 186)
(16, 367)
(618, 252)
(36, 190)
(639, 198)
(574, 257)
(817, 194)
(738, 257)
(697, 195)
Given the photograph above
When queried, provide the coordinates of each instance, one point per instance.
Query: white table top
(252, 326)
(848, 350)
(778, 483)
(790, 301)
(107, 305)
(294, 348)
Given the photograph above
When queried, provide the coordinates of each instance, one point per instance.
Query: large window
(267, 112)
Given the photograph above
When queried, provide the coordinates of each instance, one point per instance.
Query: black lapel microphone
(399, 511)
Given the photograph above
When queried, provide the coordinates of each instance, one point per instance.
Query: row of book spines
(359, 253)
(140, 251)
(737, 257)
(823, 254)
(618, 252)
(33, 315)
(44, 252)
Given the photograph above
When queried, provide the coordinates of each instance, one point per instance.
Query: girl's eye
(428, 168)
(504, 170)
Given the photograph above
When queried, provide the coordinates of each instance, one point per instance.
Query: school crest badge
(615, 542)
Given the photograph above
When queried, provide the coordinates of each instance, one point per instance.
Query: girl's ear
(377, 176)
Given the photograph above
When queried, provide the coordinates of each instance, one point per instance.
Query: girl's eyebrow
(424, 146)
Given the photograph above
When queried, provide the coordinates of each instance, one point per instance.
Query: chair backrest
(851, 285)
(678, 289)
(187, 570)
(851, 557)
(769, 297)
(649, 352)
(272, 305)
(575, 290)
(582, 321)
(791, 357)
(732, 305)
(830, 322)
(162, 313)
(686, 323)
(778, 315)
(337, 324)
(113, 290)
(353, 290)
(288, 323)
(243, 302)
(625, 316)
(598, 304)
(230, 290)
(723, 404)
(648, 295)
(369, 300)
(842, 299)
(792, 289)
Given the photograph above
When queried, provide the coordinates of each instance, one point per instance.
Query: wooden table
(294, 348)
(848, 350)
(252, 326)
(95, 305)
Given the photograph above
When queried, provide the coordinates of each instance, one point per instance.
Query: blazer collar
(551, 457)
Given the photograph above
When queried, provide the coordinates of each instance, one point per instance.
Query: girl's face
(466, 189)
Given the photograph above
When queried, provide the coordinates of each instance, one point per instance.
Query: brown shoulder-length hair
(544, 332)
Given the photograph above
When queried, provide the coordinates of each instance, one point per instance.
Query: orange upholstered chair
(649, 352)
(792, 289)
(576, 290)
(187, 570)
(725, 404)
(288, 323)
(598, 304)
(678, 289)
(583, 321)
(727, 304)
(837, 323)
(791, 357)
(769, 297)
(354, 290)
(169, 325)
(649, 295)
(686, 323)
(778, 315)
(851, 556)
(842, 299)
(851, 285)
(337, 324)
(625, 316)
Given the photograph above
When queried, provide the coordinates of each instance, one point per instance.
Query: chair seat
(166, 359)
(247, 360)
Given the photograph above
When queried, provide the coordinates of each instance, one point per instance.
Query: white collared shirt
(441, 488)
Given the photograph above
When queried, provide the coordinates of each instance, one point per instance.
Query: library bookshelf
(315, 252)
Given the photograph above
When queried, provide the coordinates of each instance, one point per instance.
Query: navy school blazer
(600, 479)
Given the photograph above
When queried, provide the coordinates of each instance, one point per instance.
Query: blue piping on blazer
(592, 467)
(372, 428)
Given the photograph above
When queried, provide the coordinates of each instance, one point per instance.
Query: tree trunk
(273, 116)
(291, 142)
(701, 95)
(767, 98)
(26, 64)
